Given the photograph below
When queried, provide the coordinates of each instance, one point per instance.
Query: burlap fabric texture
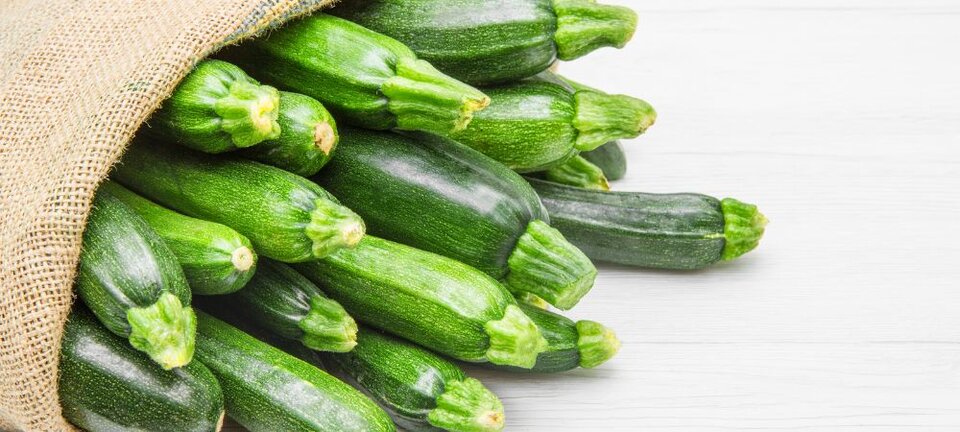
(76, 80)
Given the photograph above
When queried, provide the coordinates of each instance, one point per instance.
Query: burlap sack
(76, 80)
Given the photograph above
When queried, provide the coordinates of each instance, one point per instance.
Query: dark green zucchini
(585, 344)
(105, 385)
(421, 390)
(577, 172)
(670, 231)
(538, 124)
(442, 197)
(215, 258)
(491, 41)
(266, 389)
(366, 79)
(217, 108)
(434, 301)
(307, 140)
(610, 158)
(132, 282)
(283, 301)
(287, 217)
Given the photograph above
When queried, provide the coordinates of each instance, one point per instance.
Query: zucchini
(285, 216)
(266, 389)
(668, 231)
(214, 258)
(585, 344)
(132, 282)
(104, 385)
(538, 124)
(442, 197)
(218, 108)
(577, 172)
(281, 300)
(434, 301)
(307, 140)
(490, 41)
(366, 79)
(610, 158)
(421, 390)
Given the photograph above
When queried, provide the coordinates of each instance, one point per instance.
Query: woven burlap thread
(77, 78)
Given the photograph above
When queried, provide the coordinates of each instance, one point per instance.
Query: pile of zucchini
(320, 223)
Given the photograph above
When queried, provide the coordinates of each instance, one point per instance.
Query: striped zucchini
(366, 79)
(215, 258)
(266, 389)
(421, 390)
(105, 385)
(670, 231)
(285, 216)
(132, 282)
(490, 41)
(307, 139)
(434, 301)
(217, 108)
(442, 197)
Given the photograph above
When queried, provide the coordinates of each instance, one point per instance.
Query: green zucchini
(281, 300)
(490, 41)
(610, 158)
(217, 108)
(442, 197)
(366, 79)
(214, 258)
(105, 385)
(585, 344)
(307, 140)
(434, 301)
(538, 124)
(266, 389)
(421, 390)
(669, 231)
(132, 282)
(577, 172)
(285, 216)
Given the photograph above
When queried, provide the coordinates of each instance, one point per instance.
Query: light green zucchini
(307, 139)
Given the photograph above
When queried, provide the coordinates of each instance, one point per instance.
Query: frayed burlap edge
(76, 80)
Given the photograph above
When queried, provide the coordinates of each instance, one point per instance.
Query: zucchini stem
(324, 137)
(584, 26)
(165, 330)
(532, 300)
(579, 172)
(243, 258)
(514, 339)
(333, 227)
(467, 406)
(602, 118)
(328, 327)
(596, 343)
(249, 113)
(423, 98)
(743, 226)
(546, 264)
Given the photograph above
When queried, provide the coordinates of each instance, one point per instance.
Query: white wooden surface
(842, 120)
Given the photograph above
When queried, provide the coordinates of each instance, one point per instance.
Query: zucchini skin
(266, 389)
(105, 384)
(365, 78)
(434, 301)
(407, 381)
(287, 217)
(133, 284)
(307, 140)
(433, 194)
(610, 158)
(668, 231)
(495, 41)
(218, 108)
(283, 301)
(215, 258)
